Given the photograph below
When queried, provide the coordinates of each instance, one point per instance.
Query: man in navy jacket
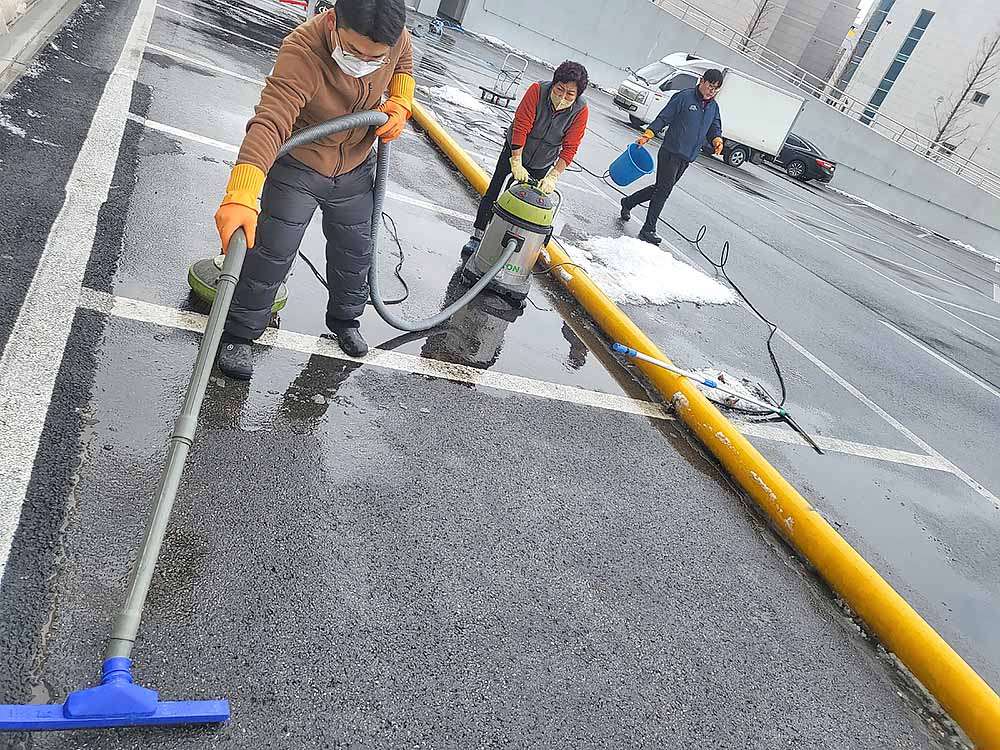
(693, 117)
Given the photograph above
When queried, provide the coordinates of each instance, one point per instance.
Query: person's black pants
(498, 184)
(669, 168)
(291, 195)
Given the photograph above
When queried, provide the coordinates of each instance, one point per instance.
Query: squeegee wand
(721, 387)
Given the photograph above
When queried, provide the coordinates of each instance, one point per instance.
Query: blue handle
(622, 349)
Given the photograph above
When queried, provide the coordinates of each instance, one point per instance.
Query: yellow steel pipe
(970, 701)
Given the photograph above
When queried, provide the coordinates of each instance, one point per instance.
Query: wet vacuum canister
(524, 215)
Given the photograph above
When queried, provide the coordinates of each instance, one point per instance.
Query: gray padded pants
(291, 194)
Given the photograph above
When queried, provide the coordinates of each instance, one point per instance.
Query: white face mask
(355, 66)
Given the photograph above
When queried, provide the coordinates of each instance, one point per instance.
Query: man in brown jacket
(340, 61)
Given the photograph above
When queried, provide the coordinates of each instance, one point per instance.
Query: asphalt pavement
(887, 343)
(488, 535)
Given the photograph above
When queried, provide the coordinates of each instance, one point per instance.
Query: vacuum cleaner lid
(529, 205)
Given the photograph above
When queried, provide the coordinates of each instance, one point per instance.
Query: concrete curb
(957, 687)
(20, 43)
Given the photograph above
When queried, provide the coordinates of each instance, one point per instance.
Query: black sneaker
(648, 235)
(350, 340)
(626, 213)
(471, 247)
(236, 360)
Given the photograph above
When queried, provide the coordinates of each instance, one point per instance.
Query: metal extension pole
(126, 626)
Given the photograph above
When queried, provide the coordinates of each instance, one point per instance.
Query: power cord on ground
(390, 226)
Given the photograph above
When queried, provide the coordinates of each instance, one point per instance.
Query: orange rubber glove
(239, 206)
(645, 137)
(717, 142)
(398, 115)
(398, 106)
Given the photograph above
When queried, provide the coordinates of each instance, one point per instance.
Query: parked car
(803, 160)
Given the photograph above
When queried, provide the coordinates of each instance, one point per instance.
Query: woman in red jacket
(541, 142)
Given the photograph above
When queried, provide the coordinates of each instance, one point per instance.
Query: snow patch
(632, 271)
(6, 124)
(975, 251)
(501, 44)
(453, 96)
(887, 212)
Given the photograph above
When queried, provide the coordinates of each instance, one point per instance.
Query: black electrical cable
(719, 266)
(390, 226)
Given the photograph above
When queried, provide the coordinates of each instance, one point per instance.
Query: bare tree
(952, 123)
(759, 23)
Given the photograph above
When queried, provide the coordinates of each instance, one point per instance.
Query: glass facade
(867, 37)
(896, 66)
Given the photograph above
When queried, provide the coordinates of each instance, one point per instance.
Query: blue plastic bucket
(634, 162)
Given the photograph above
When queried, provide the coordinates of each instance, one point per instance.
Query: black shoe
(626, 213)
(236, 360)
(648, 235)
(350, 340)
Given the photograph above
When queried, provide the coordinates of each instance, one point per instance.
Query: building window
(867, 37)
(980, 98)
(896, 66)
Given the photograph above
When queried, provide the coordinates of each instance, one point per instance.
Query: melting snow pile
(454, 96)
(500, 43)
(631, 271)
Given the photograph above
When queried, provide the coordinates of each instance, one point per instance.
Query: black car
(804, 161)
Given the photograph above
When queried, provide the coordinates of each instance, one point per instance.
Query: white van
(646, 91)
(756, 116)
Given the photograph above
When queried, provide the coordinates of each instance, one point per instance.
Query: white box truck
(756, 116)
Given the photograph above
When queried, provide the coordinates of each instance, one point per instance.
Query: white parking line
(202, 64)
(185, 134)
(233, 149)
(891, 420)
(958, 306)
(943, 360)
(834, 445)
(996, 287)
(923, 445)
(147, 312)
(30, 361)
(213, 26)
(860, 262)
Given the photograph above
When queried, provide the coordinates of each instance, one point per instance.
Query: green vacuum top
(528, 204)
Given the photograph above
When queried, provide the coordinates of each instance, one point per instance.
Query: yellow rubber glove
(717, 142)
(645, 137)
(517, 169)
(239, 206)
(548, 183)
(398, 106)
